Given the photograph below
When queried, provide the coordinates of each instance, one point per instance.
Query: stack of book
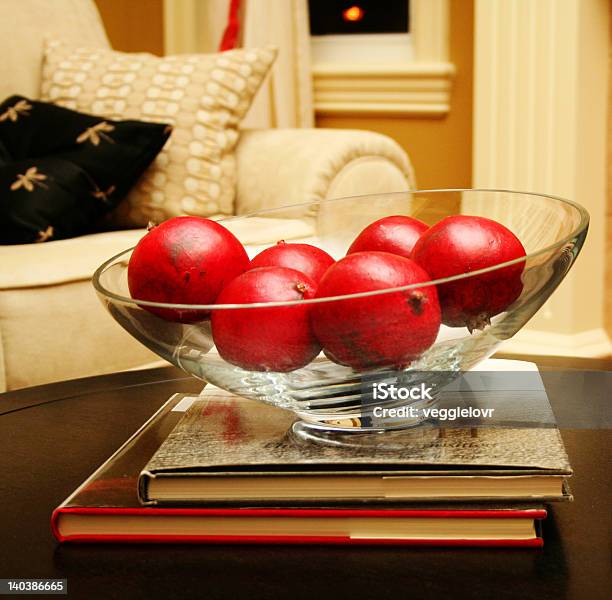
(217, 468)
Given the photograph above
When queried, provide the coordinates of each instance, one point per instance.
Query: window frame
(420, 85)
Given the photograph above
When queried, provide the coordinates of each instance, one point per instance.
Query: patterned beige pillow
(203, 96)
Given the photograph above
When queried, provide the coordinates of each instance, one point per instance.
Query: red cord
(230, 35)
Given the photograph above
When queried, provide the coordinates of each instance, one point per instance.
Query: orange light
(353, 13)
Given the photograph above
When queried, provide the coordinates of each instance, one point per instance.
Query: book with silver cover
(230, 449)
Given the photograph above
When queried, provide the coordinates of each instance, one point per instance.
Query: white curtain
(285, 99)
(194, 26)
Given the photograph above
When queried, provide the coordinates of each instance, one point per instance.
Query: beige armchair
(52, 326)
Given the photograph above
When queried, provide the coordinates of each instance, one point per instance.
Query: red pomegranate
(396, 235)
(276, 338)
(185, 260)
(390, 329)
(460, 244)
(307, 259)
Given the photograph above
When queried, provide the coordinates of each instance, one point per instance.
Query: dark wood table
(53, 436)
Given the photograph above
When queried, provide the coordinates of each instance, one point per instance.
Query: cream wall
(608, 299)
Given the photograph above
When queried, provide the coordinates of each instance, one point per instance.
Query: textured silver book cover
(226, 434)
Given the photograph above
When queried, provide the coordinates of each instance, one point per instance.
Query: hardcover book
(105, 508)
(230, 449)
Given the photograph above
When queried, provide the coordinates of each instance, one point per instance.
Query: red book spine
(299, 513)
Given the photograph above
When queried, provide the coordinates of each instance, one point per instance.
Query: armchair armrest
(277, 167)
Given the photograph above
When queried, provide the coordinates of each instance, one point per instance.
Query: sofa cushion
(60, 332)
(62, 261)
(62, 170)
(76, 259)
(203, 96)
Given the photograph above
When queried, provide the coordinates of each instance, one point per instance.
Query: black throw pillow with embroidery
(61, 171)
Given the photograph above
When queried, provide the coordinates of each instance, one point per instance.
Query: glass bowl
(330, 398)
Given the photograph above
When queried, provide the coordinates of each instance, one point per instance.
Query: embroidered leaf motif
(12, 113)
(43, 236)
(28, 180)
(99, 194)
(96, 133)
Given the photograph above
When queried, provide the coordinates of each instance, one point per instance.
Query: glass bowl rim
(584, 222)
